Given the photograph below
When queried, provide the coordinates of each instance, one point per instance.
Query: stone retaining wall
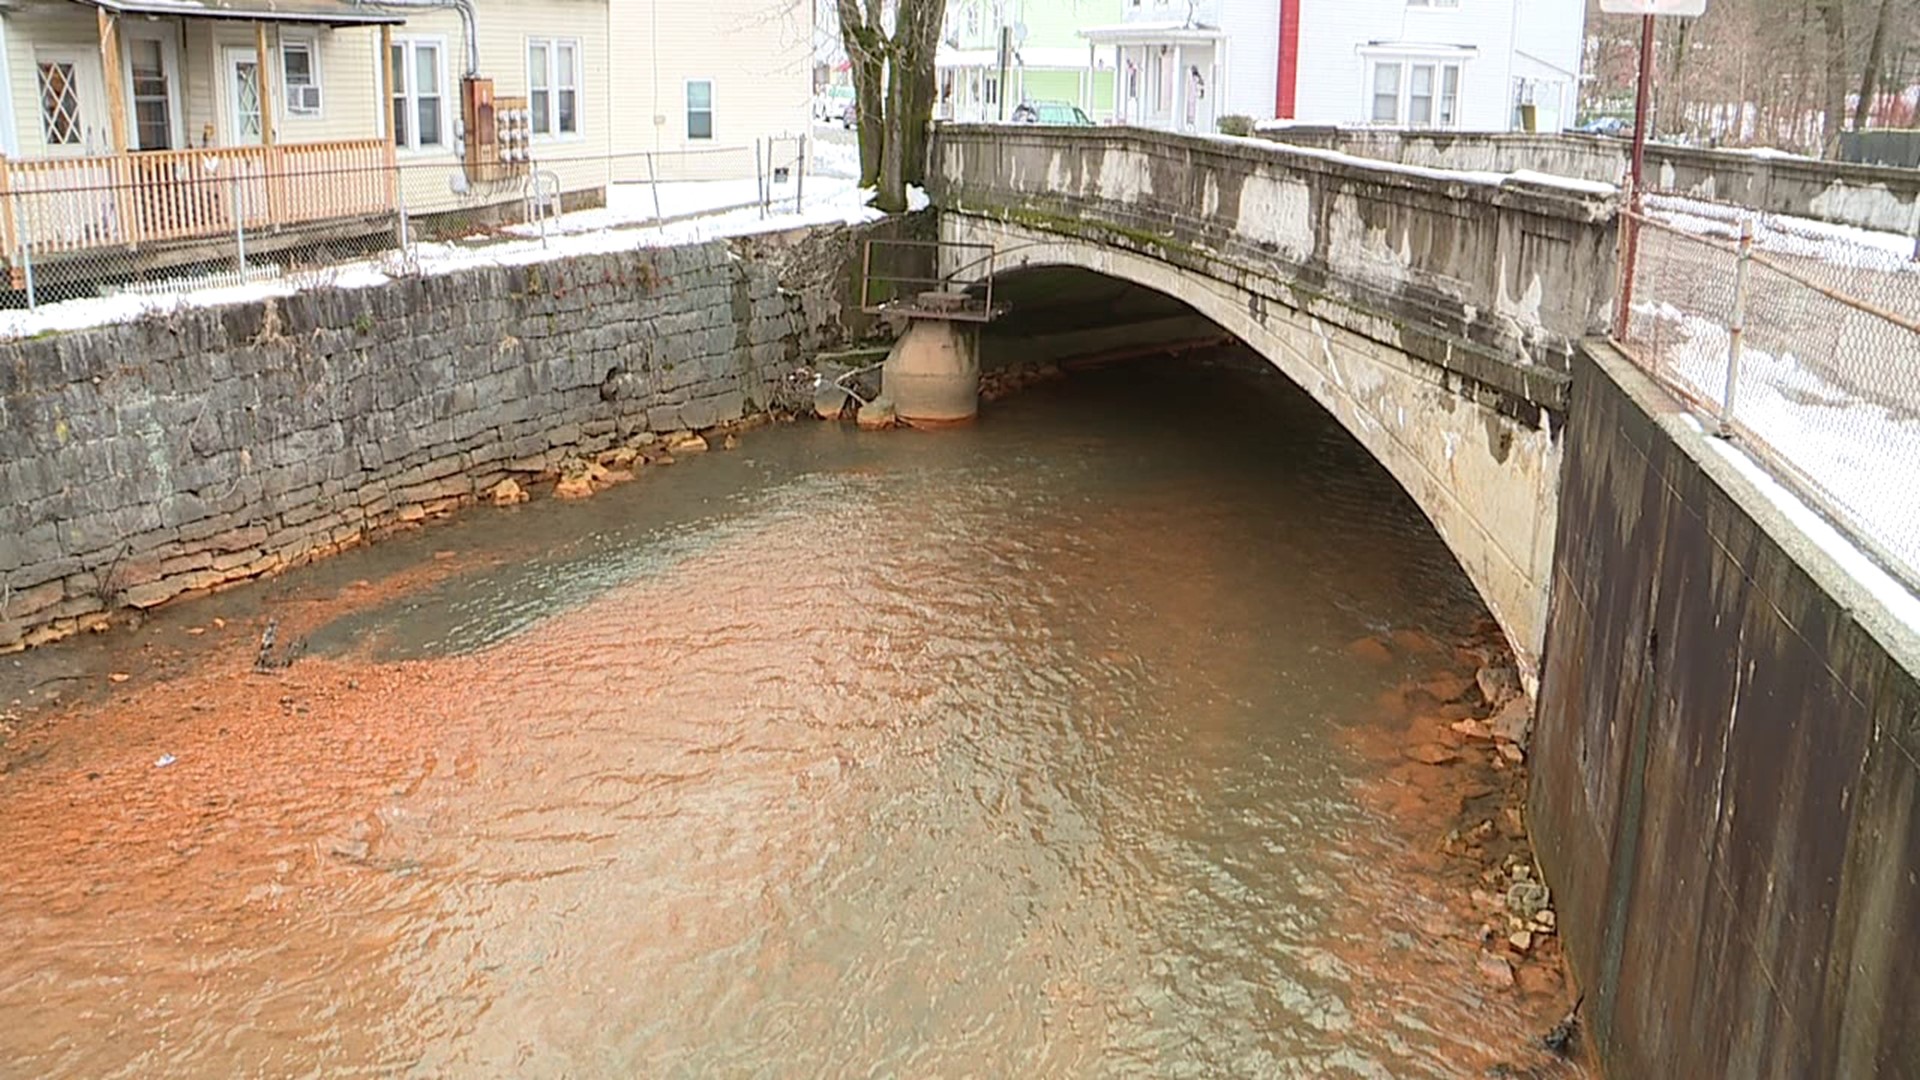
(177, 454)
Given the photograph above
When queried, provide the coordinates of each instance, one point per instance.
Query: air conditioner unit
(303, 99)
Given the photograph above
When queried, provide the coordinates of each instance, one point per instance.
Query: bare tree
(890, 46)
(1870, 74)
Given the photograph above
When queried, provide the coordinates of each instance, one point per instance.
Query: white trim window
(418, 74)
(700, 109)
(300, 74)
(553, 85)
(1414, 93)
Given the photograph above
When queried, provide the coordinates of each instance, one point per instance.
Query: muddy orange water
(1025, 749)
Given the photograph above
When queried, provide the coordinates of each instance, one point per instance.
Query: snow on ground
(835, 153)
(1837, 245)
(583, 233)
(1860, 454)
(1899, 601)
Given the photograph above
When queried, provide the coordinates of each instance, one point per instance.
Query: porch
(1171, 76)
(160, 130)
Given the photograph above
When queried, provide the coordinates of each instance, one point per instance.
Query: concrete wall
(1867, 196)
(210, 445)
(1432, 316)
(1726, 771)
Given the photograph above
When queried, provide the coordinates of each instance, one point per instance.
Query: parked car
(1050, 112)
(1607, 125)
(850, 116)
(830, 105)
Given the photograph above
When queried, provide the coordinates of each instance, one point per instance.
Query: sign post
(1643, 92)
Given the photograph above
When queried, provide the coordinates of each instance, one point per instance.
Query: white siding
(1335, 39)
(757, 53)
(1253, 56)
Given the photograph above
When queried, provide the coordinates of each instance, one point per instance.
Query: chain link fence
(1799, 340)
(136, 228)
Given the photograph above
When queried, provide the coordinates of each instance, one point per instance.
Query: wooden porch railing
(62, 206)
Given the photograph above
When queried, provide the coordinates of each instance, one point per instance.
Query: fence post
(400, 230)
(239, 228)
(653, 183)
(800, 178)
(760, 176)
(26, 249)
(1736, 332)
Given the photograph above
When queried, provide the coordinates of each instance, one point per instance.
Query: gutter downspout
(469, 23)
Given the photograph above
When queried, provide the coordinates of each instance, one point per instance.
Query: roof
(1142, 30)
(1036, 56)
(312, 12)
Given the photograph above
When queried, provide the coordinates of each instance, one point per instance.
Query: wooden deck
(66, 208)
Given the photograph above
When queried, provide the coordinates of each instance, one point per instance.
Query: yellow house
(153, 128)
(705, 81)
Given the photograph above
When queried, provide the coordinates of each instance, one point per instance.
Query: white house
(1468, 64)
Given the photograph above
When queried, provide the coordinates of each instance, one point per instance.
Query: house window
(59, 103)
(992, 94)
(419, 95)
(152, 101)
(1419, 94)
(301, 73)
(700, 109)
(1386, 94)
(553, 86)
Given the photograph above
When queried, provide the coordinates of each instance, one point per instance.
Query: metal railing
(1798, 341)
(903, 277)
(168, 222)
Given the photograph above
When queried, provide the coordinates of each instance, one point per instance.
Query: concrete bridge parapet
(1488, 276)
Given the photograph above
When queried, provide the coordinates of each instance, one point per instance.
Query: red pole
(1630, 252)
(1289, 68)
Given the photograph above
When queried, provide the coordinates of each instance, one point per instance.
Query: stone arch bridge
(1432, 313)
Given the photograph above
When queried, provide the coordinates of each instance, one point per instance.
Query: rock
(1512, 753)
(1527, 898)
(1496, 970)
(688, 443)
(620, 457)
(1472, 729)
(1539, 980)
(1543, 920)
(100, 627)
(877, 415)
(1430, 754)
(1371, 650)
(730, 443)
(830, 401)
(1447, 687)
(1521, 941)
(576, 486)
(1497, 683)
(507, 492)
(1513, 721)
(118, 677)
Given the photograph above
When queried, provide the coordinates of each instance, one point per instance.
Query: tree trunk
(1870, 77)
(866, 44)
(1833, 21)
(869, 117)
(892, 196)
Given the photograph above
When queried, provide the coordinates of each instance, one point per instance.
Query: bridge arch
(1485, 476)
